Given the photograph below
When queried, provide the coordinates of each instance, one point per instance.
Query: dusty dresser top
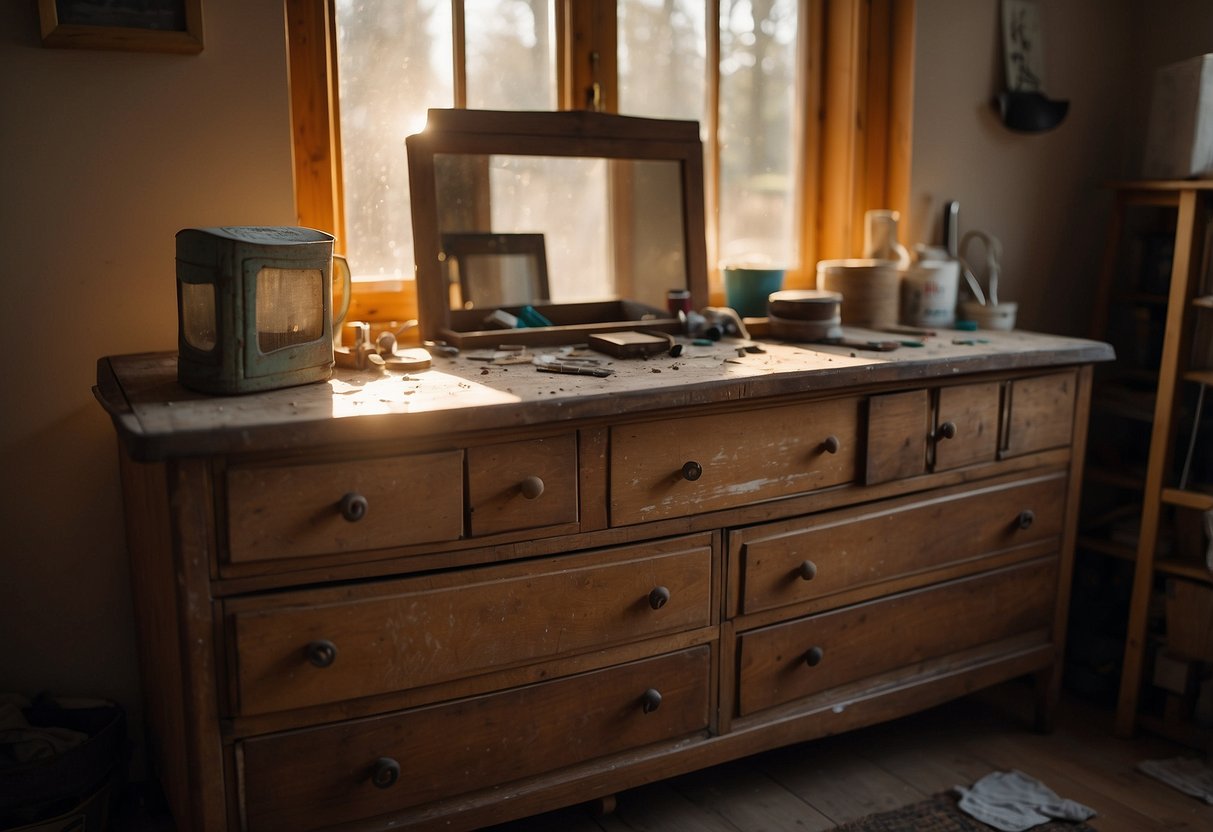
(156, 418)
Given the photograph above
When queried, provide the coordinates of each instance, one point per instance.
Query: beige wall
(104, 156)
(1040, 194)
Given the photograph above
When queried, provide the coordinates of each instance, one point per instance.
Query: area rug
(939, 813)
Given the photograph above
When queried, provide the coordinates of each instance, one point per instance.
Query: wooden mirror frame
(570, 134)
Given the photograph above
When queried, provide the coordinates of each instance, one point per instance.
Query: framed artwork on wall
(130, 25)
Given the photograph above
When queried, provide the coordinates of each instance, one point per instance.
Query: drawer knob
(814, 656)
(321, 653)
(692, 471)
(831, 444)
(650, 701)
(531, 487)
(946, 431)
(385, 773)
(1026, 518)
(659, 597)
(807, 570)
(353, 507)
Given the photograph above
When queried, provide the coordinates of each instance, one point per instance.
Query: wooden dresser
(475, 593)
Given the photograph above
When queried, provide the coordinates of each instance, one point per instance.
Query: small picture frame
(128, 25)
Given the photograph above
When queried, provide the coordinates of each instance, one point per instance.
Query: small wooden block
(628, 344)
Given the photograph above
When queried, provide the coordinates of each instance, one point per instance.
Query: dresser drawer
(787, 661)
(684, 466)
(290, 511)
(522, 485)
(912, 432)
(319, 777)
(308, 648)
(1041, 413)
(820, 555)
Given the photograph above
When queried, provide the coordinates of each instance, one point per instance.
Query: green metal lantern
(254, 308)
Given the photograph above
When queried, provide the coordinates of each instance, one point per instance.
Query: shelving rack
(1181, 305)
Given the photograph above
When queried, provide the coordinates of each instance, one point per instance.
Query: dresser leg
(604, 805)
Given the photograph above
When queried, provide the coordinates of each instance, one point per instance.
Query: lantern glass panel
(198, 315)
(290, 307)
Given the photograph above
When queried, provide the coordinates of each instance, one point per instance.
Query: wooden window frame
(858, 108)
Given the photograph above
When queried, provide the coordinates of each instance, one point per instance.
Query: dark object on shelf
(1030, 112)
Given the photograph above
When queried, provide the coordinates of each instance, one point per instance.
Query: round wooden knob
(531, 487)
(692, 471)
(353, 507)
(650, 700)
(814, 656)
(321, 653)
(831, 444)
(807, 570)
(385, 773)
(1026, 518)
(946, 431)
(659, 597)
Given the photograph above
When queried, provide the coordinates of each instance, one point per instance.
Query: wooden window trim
(857, 128)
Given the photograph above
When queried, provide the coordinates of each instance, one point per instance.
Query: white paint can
(928, 293)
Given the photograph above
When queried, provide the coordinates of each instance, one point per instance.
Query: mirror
(569, 222)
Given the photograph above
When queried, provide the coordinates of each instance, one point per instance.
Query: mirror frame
(573, 133)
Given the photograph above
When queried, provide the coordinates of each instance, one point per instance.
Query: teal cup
(746, 288)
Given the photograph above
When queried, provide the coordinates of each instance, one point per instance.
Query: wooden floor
(818, 785)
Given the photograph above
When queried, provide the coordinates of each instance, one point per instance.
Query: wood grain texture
(310, 779)
(156, 417)
(870, 544)
(931, 622)
(416, 632)
(898, 430)
(281, 511)
(1041, 413)
(741, 457)
(973, 409)
(497, 499)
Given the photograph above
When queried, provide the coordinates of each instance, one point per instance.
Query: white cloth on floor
(1012, 801)
(1191, 775)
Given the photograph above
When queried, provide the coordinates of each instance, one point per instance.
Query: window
(803, 107)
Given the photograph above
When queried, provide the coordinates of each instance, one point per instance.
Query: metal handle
(1026, 518)
(692, 471)
(831, 444)
(650, 700)
(353, 507)
(814, 656)
(385, 773)
(807, 570)
(531, 487)
(659, 597)
(946, 431)
(321, 653)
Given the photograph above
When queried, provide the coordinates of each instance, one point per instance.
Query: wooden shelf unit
(1193, 201)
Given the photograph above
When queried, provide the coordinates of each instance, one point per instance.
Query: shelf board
(1184, 569)
(1187, 499)
(1140, 298)
(1199, 376)
(1203, 301)
(1118, 477)
(1106, 547)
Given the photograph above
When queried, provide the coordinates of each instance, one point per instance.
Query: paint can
(928, 293)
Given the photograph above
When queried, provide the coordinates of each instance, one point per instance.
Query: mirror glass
(533, 229)
(554, 225)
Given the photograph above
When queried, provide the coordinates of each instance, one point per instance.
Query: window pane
(510, 54)
(394, 63)
(759, 132)
(290, 307)
(662, 49)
